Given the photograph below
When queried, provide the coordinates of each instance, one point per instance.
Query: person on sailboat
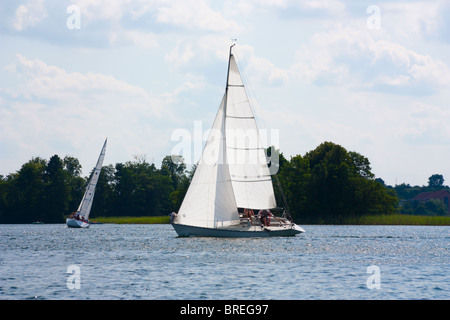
(74, 215)
(173, 217)
(249, 213)
(265, 217)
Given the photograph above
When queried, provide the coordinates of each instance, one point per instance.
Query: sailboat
(80, 218)
(231, 191)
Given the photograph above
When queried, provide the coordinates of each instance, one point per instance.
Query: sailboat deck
(273, 222)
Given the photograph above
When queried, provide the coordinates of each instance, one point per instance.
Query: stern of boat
(73, 223)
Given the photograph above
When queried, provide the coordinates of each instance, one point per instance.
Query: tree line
(326, 185)
(50, 190)
(432, 207)
(329, 184)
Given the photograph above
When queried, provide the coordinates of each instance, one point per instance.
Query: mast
(224, 136)
(228, 70)
(226, 90)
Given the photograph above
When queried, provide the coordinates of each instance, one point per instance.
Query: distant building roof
(441, 194)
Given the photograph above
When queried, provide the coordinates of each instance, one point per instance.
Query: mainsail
(232, 172)
(86, 203)
(252, 183)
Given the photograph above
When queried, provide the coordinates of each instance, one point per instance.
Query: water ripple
(150, 262)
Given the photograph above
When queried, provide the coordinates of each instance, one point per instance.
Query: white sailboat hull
(237, 231)
(73, 223)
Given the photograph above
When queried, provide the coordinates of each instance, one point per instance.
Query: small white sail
(79, 219)
(86, 203)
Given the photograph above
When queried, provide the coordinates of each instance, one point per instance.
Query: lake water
(136, 262)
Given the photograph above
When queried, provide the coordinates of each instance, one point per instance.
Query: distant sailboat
(232, 182)
(80, 218)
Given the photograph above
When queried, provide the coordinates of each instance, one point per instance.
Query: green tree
(3, 203)
(432, 207)
(24, 194)
(361, 165)
(294, 177)
(40, 190)
(329, 184)
(103, 204)
(124, 190)
(174, 167)
(436, 181)
(75, 183)
(72, 166)
(406, 191)
(141, 190)
(56, 191)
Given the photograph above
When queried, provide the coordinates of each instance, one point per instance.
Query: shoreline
(133, 220)
(399, 219)
(395, 219)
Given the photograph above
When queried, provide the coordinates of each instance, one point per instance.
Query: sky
(373, 77)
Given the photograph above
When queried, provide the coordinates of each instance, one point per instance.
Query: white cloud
(209, 49)
(247, 7)
(54, 111)
(48, 82)
(260, 70)
(102, 9)
(29, 14)
(141, 39)
(194, 14)
(180, 55)
(352, 56)
(411, 19)
(426, 124)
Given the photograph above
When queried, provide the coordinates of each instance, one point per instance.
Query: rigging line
(286, 207)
